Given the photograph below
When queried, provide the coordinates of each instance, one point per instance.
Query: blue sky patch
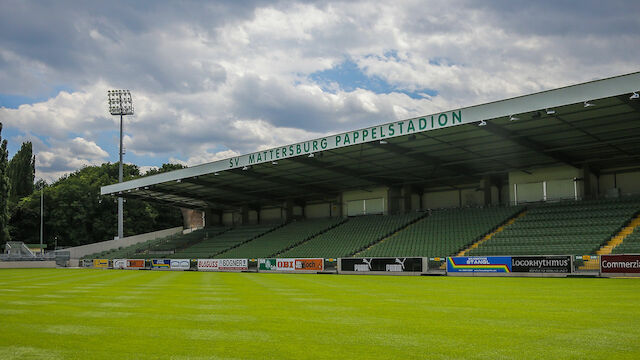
(13, 101)
(350, 77)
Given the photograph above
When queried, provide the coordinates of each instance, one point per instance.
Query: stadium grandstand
(555, 172)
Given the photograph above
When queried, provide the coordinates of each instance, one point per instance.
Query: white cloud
(215, 80)
(205, 157)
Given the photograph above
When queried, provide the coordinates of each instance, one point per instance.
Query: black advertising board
(399, 264)
(541, 264)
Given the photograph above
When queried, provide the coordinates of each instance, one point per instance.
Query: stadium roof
(593, 124)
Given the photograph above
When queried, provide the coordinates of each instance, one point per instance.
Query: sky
(212, 80)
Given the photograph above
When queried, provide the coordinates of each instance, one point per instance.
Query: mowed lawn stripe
(107, 314)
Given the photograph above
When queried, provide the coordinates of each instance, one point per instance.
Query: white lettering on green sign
(394, 129)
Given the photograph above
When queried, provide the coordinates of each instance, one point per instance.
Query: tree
(76, 213)
(4, 191)
(21, 173)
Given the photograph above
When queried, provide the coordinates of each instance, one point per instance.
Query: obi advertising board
(223, 264)
(299, 264)
(484, 264)
(180, 264)
(620, 264)
(160, 264)
(101, 263)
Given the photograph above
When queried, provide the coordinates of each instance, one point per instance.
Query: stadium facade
(575, 142)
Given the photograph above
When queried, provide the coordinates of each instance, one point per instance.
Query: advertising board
(135, 264)
(119, 263)
(101, 263)
(222, 264)
(233, 264)
(157, 264)
(309, 264)
(382, 264)
(299, 264)
(493, 264)
(180, 264)
(207, 264)
(541, 264)
(266, 264)
(620, 264)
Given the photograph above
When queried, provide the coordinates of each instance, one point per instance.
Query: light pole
(120, 103)
(41, 221)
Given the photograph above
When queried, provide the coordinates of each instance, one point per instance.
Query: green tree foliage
(21, 173)
(165, 168)
(4, 191)
(76, 214)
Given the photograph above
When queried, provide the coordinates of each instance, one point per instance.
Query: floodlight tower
(120, 103)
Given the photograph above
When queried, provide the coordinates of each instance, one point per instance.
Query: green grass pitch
(120, 314)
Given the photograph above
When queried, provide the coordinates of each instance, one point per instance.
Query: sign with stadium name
(541, 264)
(621, 264)
(375, 133)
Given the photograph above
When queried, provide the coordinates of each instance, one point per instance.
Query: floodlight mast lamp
(120, 103)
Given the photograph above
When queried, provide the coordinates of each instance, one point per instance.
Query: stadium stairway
(568, 227)
(614, 242)
(492, 233)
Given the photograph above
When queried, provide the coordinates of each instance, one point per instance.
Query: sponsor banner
(119, 263)
(541, 264)
(382, 264)
(180, 264)
(619, 264)
(101, 263)
(309, 264)
(233, 264)
(160, 263)
(496, 264)
(299, 265)
(285, 264)
(135, 264)
(266, 264)
(207, 264)
(223, 264)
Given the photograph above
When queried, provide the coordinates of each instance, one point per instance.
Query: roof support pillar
(407, 194)
(485, 187)
(212, 217)
(588, 192)
(336, 207)
(394, 198)
(245, 214)
(288, 207)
